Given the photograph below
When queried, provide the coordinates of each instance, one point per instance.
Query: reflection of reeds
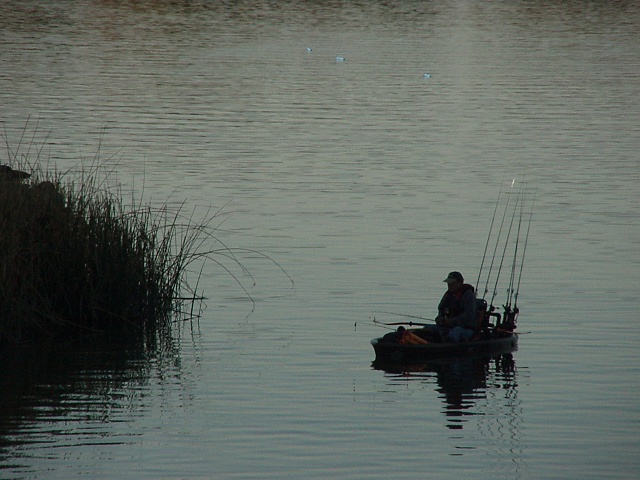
(75, 262)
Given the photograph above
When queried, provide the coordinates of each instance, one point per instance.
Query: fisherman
(457, 318)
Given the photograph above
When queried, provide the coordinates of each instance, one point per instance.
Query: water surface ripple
(367, 181)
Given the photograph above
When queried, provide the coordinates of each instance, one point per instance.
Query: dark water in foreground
(367, 183)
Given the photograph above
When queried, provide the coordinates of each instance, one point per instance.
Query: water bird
(308, 49)
(8, 173)
(426, 75)
(340, 59)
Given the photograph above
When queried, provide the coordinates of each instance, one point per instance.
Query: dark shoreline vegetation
(77, 265)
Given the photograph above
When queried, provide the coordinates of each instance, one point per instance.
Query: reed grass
(78, 264)
(75, 263)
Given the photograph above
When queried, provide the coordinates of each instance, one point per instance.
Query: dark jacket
(459, 308)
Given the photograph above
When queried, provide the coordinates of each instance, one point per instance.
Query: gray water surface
(367, 182)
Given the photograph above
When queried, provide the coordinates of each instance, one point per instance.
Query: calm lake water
(367, 182)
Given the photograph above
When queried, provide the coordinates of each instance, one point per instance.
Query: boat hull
(391, 352)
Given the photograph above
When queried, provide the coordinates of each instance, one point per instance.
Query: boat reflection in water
(480, 402)
(468, 386)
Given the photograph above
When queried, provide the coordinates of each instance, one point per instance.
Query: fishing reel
(510, 318)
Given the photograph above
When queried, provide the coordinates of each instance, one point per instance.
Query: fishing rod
(401, 323)
(504, 251)
(510, 331)
(486, 246)
(510, 289)
(524, 250)
(511, 314)
(495, 250)
(511, 209)
(408, 316)
(382, 325)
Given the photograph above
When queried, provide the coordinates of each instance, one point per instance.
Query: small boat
(411, 345)
(390, 348)
(414, 345)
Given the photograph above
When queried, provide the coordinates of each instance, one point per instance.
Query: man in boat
(457, 318)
